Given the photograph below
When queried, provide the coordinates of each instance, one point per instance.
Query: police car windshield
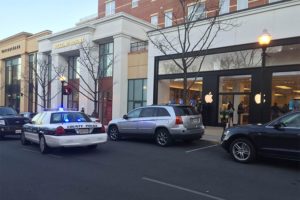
(69, 117)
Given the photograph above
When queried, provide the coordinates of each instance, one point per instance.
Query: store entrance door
(240, 102)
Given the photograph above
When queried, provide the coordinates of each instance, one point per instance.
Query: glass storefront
(106, 59)
(285, 92)
(12, 82)
(31, 87)
(171, 91)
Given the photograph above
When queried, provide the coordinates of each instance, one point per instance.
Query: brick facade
(147, 8)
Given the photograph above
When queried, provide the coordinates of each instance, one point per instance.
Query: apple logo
(257, 98)
(209, 98)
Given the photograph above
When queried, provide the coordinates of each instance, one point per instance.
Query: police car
(60, 128)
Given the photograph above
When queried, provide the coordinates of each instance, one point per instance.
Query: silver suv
(164, 123)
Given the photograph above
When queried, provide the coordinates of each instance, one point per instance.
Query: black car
(10, 122)
(279, 138)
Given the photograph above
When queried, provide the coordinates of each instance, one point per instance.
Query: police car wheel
(43, 145)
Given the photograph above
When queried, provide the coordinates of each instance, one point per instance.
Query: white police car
(61, 128)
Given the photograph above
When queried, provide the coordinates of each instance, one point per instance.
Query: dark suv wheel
(162, 137)
(242, 150)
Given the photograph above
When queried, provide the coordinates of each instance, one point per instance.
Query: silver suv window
(185, 110)
(162, 112)
(134, 113)
(148, 112)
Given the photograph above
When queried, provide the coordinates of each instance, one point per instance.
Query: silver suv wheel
(113, 133)
(163, 137)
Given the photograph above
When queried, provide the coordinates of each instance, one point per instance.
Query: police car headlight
(2, 122)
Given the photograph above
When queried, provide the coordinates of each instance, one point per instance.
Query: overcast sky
(34, 16)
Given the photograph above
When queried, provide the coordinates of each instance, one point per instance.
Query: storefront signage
(208, 98)
(11, 49)
(69, 43)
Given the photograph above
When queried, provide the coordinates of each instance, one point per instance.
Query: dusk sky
(34, 16)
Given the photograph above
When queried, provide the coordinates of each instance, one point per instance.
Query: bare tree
(40, 78)
(188, 37)
(91, 75)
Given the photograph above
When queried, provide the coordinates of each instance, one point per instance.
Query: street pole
(62, 94)
(262, 89)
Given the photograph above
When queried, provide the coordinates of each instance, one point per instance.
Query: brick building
(159, 12)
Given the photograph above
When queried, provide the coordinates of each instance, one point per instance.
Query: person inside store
(230, 110)
(275, 111)
(240, 111)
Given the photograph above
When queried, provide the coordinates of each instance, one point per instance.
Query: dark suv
(10, 122)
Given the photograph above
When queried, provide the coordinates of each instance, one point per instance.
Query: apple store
(234, 75)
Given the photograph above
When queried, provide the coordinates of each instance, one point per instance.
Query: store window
(106, 59)
(154, 20)
(242, 4)
(224, 6)
(73, 82)
(171, 91)
(196, 11)
(168, 19)
(283, 55)
(137, 93)
(31, 83)
(223, 61)
(285, 93)
(12, 83)
(134, 3)
(234, 99)
(110, 8)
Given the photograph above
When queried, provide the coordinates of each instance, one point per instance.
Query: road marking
(30, 150)
(182, 188)
(54, 156)
(210, 146)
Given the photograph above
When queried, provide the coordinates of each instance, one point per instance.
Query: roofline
(26, 34)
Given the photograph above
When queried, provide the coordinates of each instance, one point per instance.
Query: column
(2, 82)
(120, 75)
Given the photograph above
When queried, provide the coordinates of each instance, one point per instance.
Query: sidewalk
(213, 133)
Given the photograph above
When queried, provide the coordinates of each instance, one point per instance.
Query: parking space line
(182, 188)
(30, 150)
(210, 146)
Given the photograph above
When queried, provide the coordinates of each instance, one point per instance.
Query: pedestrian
(275, 111)
(240, 111)
(230, 110)
(82, 110)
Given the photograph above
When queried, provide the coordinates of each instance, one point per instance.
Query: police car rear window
(69, 117)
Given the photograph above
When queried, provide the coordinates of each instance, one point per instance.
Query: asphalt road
(140, 170)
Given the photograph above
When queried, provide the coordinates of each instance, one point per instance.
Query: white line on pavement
(210, 146)
(30, 150)
(51, 155)
(182, 188)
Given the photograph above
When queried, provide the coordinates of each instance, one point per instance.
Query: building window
(106, 59)
(110, 8)
(154, 20)
(137, 93)
(168, 18)
(272, 1)
(49, 65)
(134, 3)
(196, 11)
(224, 6)
(242, 4)
(13, 82)
(73, 82)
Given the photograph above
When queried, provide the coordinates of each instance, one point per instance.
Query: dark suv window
(7, 111)
(68, 117)
(185, 110)
(162, 112)
(148, 112)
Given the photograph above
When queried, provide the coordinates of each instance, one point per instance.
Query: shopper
(240, 111)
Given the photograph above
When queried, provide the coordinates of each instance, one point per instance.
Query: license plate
(195, 120)
(18, 131)
(83, 131)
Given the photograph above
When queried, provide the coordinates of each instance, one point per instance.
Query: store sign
(12, 48)
(208, 98)
(68, 43)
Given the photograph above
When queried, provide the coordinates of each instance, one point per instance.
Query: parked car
(10, 122)
(51, 129)
(163, 123)
(279, 138)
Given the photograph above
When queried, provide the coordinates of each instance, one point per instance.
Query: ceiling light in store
(283, 87)
(230, 88)
(278, 95)
(296, 91)
(246, 88)
(198, 82)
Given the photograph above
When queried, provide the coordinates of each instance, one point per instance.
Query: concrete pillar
(2, 82)
(24, 83)
(120, 75)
